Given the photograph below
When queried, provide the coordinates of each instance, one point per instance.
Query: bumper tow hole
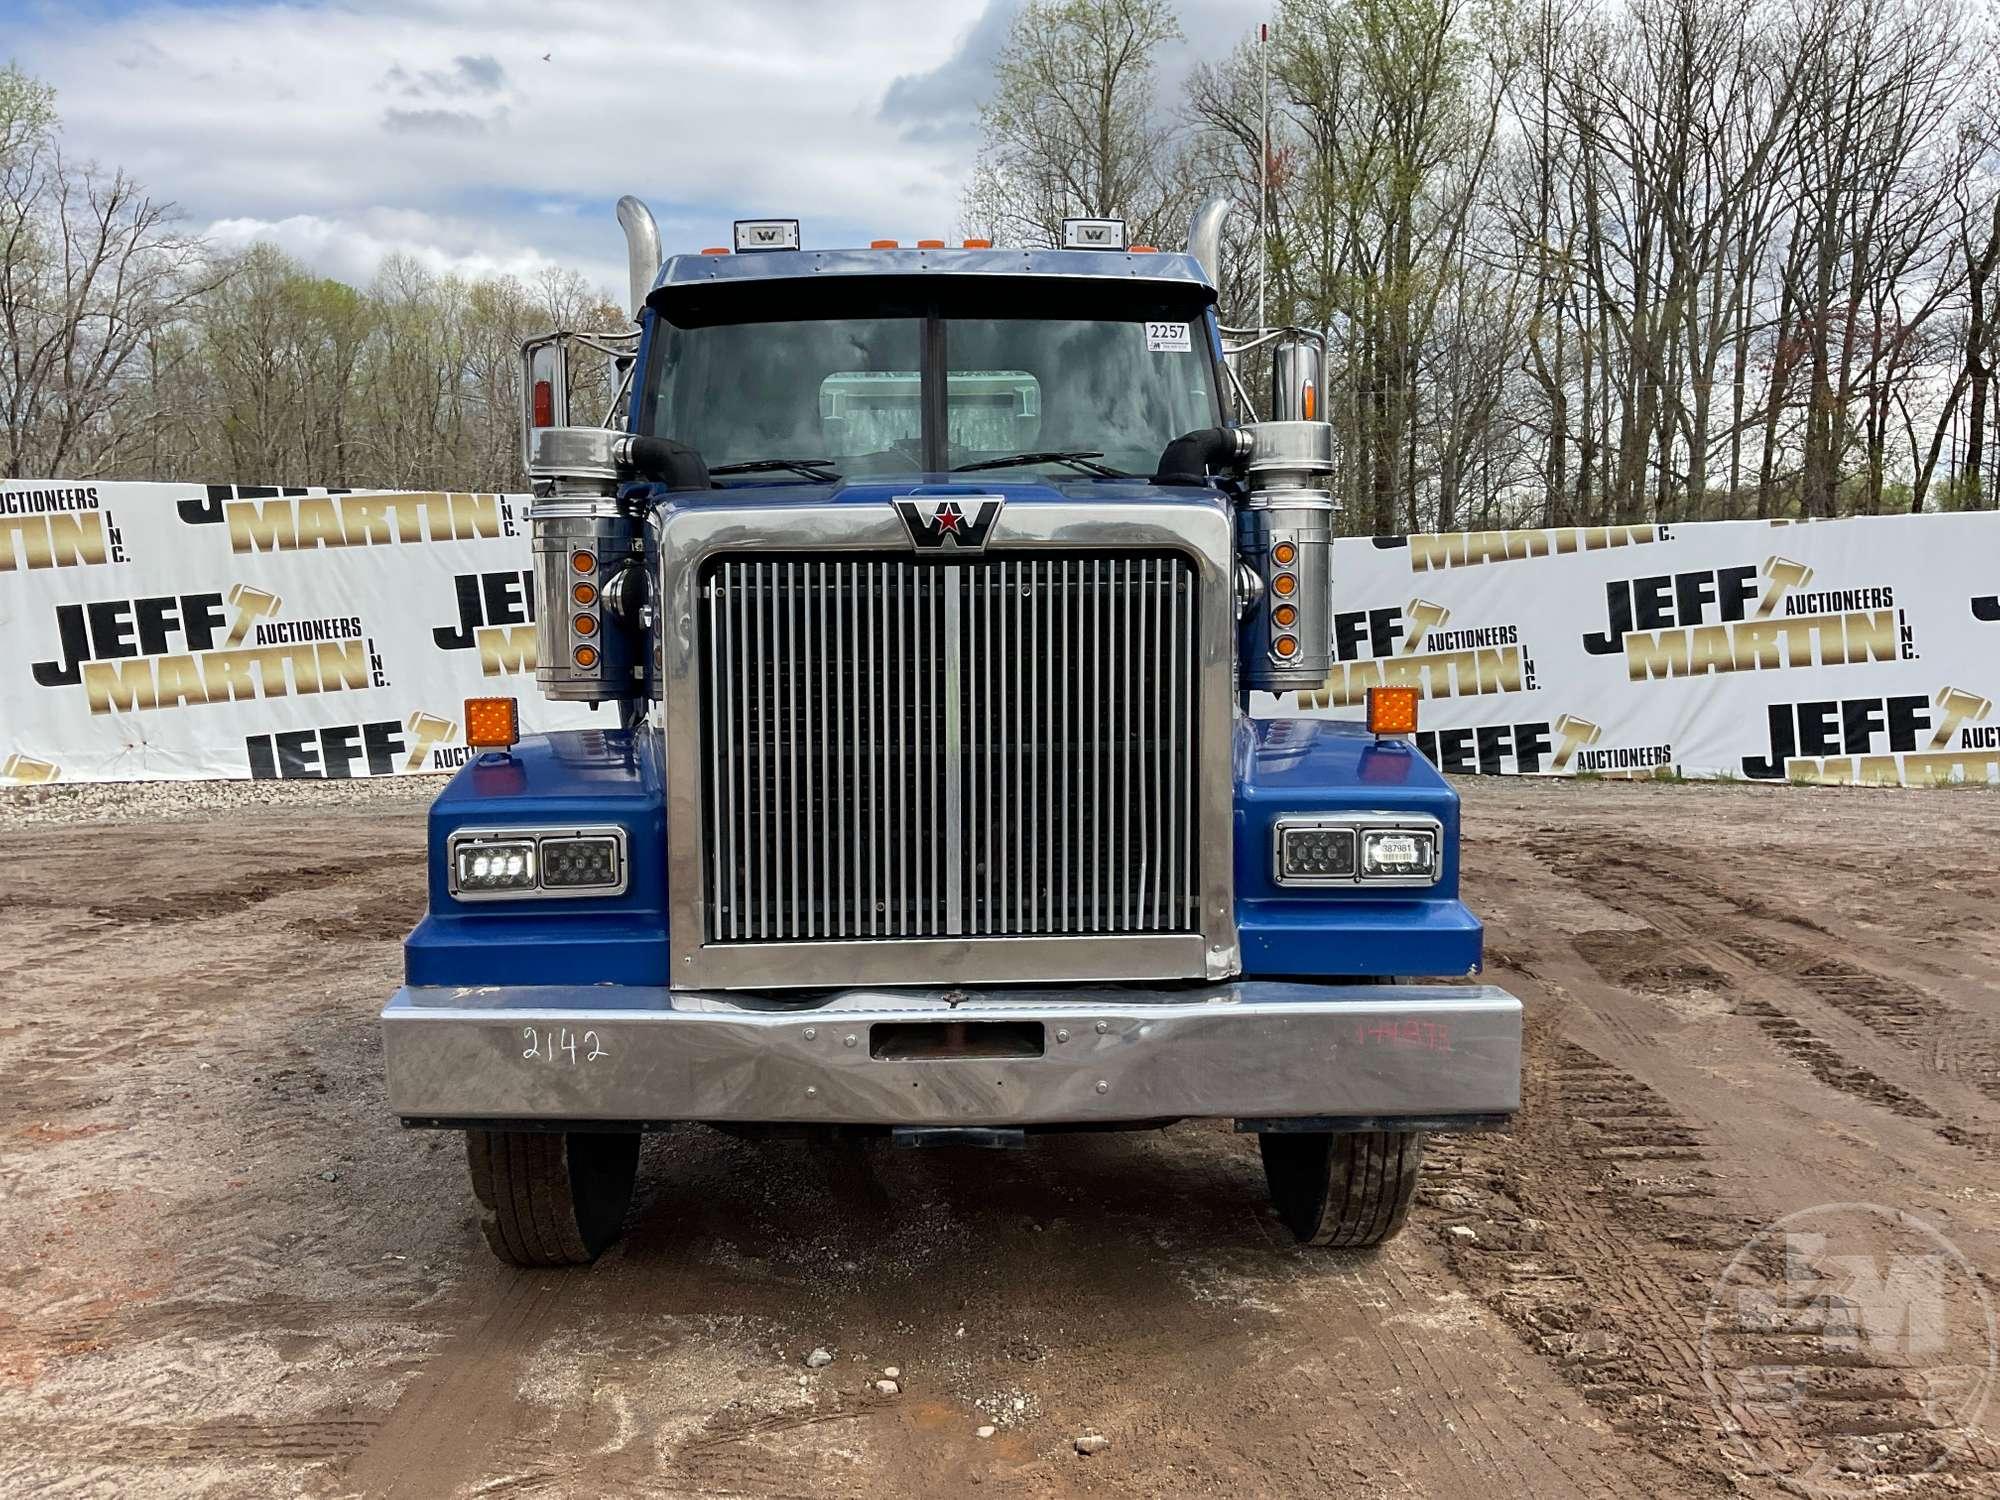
(926, 1041)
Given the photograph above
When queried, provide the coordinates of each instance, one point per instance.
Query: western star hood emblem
(962, 522)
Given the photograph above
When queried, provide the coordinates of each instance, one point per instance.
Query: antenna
(1263, 173)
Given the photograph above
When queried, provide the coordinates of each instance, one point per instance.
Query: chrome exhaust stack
(642, 249)
(1204, 241)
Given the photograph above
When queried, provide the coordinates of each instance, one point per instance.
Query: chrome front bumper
(1247, 1050)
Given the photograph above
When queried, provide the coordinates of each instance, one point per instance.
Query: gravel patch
(178, 801)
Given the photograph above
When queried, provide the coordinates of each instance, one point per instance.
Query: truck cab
(925, 591)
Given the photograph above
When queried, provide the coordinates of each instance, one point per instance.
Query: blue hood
(883, 489)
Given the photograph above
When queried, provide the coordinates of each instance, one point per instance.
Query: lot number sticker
(1168, 338)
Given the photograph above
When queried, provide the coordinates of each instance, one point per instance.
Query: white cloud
(318, 127)
(351, 250)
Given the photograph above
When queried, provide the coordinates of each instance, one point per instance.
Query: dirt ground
(227, 1271)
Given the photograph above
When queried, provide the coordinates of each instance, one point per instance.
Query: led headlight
(1309, 853)
(1356, 849)
(495, 865)
(580, 863)
(1398, 854)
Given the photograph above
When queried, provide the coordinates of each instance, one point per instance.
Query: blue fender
(1312, 766)
(569, 777)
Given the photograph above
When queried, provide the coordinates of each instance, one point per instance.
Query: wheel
(1346, 1190)
(550, 1199)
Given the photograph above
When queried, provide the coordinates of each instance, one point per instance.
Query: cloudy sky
(484, 135)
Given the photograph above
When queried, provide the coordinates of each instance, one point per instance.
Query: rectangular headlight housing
(1399, 854)
(1315, 854)
(1357, 849)
(512, 864)
(494, 866)
(587, 861)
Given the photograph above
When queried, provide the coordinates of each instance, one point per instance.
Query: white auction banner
(1860, 650)
(184, 631)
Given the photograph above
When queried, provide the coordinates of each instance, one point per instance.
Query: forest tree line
(130, 350)
(1577, 262)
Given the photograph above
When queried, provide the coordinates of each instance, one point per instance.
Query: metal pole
(1263, 174)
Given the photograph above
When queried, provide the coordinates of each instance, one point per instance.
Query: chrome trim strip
(685, 537)
(1263, 1050)
(954, 767)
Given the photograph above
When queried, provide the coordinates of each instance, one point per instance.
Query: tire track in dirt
(1600, 1241)
(1695, 914)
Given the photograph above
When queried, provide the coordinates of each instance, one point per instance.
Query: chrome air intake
(1284, 529)
(589, 553)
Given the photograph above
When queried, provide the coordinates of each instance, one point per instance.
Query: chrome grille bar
(992, 748)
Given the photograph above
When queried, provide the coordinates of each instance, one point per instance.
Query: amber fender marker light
(1392, 710)
(492, 723)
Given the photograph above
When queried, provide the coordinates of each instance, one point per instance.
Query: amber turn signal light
(583, 562)
(1285, 645)
(1392, 710)
(1284, 585)
(584, 593)
(492, 723)
(584, 624)
(584, 656)
(1284, 554)
(1284, 616)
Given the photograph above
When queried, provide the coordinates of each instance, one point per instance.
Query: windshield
(853, 392)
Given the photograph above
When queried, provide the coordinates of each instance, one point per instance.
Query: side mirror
(544, 389)
(1297, 369)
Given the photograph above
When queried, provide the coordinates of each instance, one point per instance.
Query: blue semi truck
(927, 589)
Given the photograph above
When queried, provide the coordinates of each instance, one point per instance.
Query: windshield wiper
(1076, 459)
(820, 470)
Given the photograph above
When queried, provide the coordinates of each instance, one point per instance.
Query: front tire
(1343, 1191)
(549, 1198)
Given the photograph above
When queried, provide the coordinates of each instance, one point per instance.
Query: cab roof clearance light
(1093, 234)
(766, 234)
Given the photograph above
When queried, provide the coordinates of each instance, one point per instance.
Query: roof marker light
(979, 244)
(883, 245)
(767, 234)
(930, 244)
(1093, 234)
(715, 250)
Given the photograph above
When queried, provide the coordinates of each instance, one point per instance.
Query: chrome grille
(1000, 747)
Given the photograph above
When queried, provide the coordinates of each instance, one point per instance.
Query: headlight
(1398, 854)
(1313, 853)
(493, 864)
(1362, 848)
(581, 862)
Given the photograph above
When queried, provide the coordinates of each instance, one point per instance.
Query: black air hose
(1192, 457)
(670, 463)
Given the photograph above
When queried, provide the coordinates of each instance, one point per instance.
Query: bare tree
(91, 268)
(1071, 127)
